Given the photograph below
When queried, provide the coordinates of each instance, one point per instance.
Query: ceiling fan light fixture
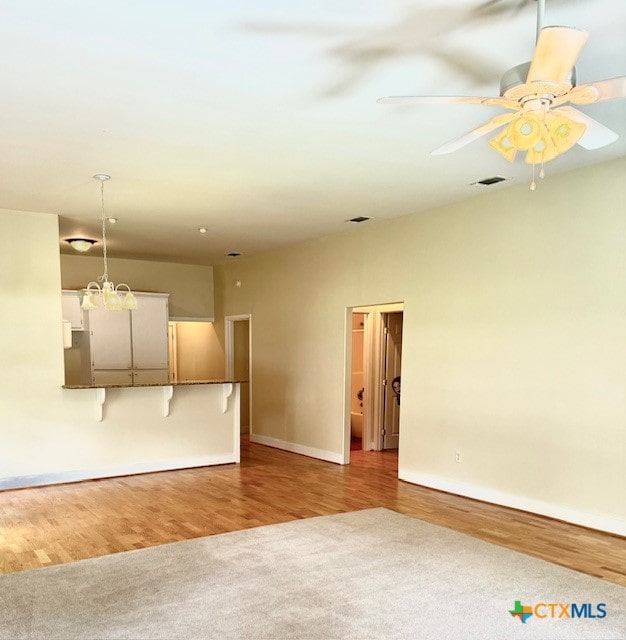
(524, 132)
(565, 133)
(560, 135)
(503, 144)
(542, 152)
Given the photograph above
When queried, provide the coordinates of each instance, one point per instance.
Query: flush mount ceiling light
(202, 230)
(112, 298)
(80, 244)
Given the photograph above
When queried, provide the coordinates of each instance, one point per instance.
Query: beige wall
(200, 355)
(190, 286)
(50, 432)
(514, 345)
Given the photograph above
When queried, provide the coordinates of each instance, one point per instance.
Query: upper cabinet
(149, 333)
(110, 339)
(71, 309)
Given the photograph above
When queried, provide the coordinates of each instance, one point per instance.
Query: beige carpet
(367, 574)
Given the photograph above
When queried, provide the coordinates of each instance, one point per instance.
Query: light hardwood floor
(56, 524)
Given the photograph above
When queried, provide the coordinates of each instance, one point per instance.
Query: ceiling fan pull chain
(542, 173)
(533, 184)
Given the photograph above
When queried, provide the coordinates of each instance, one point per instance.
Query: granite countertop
(149, 384)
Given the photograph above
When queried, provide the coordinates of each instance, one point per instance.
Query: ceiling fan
(536, 93)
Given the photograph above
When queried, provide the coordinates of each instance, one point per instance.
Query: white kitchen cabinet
(110, 339)
(112, 376)
(129, 376)
(70, 301)
(151, 376)
(127, 347)
(149, 333)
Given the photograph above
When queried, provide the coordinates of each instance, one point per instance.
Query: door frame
(373, 404)
(229, 353)
(172, 343)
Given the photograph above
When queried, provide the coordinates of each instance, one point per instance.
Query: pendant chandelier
(113, 299)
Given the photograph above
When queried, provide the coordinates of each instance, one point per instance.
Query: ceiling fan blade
(430, 100)
(598, 91)
(457, 143)
(596, 135)
(556, 53)
(488, 101)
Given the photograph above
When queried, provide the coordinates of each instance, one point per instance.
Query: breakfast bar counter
(114, 429)
(185, 383)
(168, 391)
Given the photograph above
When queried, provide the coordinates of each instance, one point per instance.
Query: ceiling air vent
(233, 254)
(487, 182)
(358, 219)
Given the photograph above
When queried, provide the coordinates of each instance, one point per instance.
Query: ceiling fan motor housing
(513, 84)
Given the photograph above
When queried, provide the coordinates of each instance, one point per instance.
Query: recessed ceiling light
(202, 230)
(233, 254)
(81, 244)
(112, 220)
(487, 182)
(358, 219)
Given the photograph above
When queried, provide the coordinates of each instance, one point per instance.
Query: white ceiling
(259, 120)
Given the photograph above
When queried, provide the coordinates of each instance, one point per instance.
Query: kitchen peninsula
(142, 428)
(168, 392)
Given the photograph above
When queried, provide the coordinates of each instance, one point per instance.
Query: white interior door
(392, 323)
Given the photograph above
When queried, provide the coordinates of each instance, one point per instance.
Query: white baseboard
(583, 518)
(20, 482)
(312, 452)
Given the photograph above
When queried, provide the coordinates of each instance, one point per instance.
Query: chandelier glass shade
(104, 292)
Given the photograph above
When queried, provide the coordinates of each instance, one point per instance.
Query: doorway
(238, 344)
(373, 380)
(195, 351)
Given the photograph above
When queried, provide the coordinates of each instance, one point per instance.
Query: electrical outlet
(458, 457)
